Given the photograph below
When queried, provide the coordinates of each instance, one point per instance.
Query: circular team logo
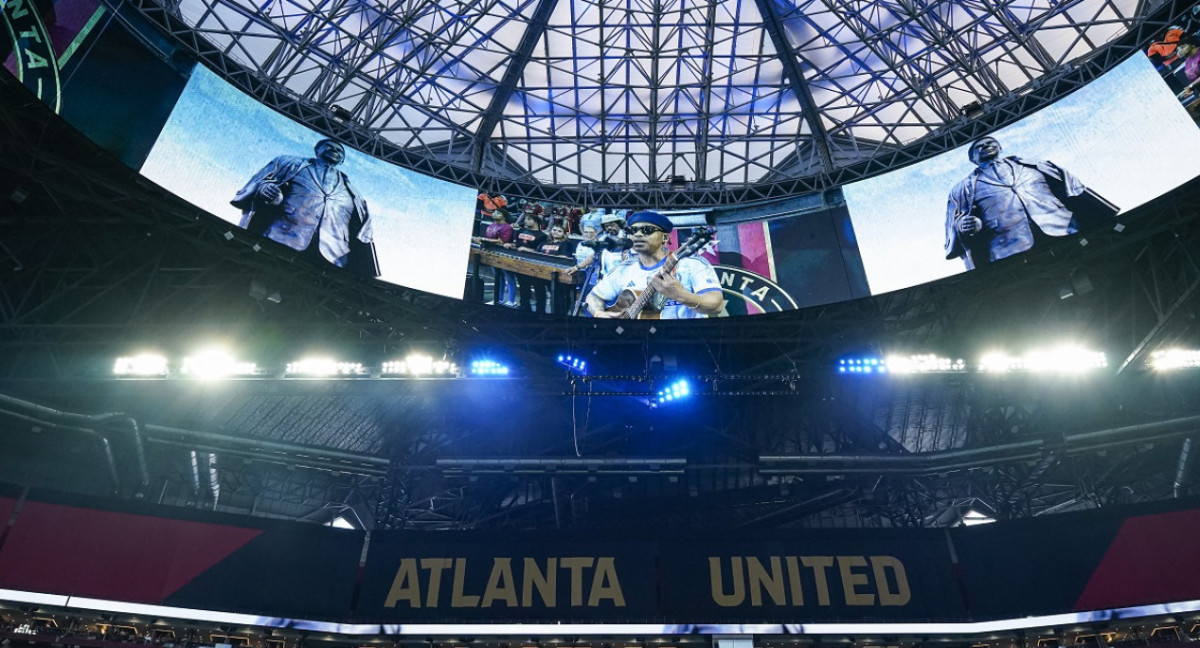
(37, 65)
(748, 293)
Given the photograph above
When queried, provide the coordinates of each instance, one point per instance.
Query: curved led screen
(1069, 167)
(252, 167)
(1079, 163)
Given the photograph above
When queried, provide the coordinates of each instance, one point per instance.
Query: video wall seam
(1074, 165)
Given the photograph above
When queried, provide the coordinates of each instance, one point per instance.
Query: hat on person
(654, 218)
(611, 218)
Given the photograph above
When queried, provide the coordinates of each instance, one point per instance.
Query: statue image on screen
(1008, 205)
(309, 205)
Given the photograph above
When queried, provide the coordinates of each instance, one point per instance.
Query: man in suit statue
(309, 205)
(1008, 204)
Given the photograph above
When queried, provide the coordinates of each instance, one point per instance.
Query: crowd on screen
(1176, 55)
(557, 231)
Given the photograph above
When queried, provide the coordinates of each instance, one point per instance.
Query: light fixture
(419, 364)
(577, 365)
(1169, 359)
(923, 363)
(999, 362)
(324, 367)
(1061, 359)
(144, 364)
(488, 368)
(973, 518)
(676, 391)
(1064, 359)
(215, 364)
(863, 365)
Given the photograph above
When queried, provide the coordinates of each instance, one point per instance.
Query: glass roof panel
(572, 92)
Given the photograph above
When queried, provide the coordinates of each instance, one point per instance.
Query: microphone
(611, 243)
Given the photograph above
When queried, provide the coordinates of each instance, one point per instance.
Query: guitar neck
(635, 309)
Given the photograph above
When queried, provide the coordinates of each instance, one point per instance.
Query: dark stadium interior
(97, 261)
(81, 286)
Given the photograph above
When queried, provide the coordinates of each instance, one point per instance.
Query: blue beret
(654, 218)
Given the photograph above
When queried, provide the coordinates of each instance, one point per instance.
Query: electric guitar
(648, 304)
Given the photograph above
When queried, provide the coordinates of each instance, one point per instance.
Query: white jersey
(696, 275)
(610, 259)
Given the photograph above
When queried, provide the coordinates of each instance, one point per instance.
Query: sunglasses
(644, 230)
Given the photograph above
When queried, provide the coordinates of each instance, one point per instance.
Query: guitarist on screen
(679, 288)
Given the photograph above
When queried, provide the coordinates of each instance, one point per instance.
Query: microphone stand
(587, 283)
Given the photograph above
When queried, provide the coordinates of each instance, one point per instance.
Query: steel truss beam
(451, 166)
(508, 85)
(795, 75)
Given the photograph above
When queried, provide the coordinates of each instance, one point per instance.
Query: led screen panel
(791, 254)
(1099, 152)
(1112, 143)
(220, 148)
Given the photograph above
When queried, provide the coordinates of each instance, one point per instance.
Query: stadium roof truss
(619, 96)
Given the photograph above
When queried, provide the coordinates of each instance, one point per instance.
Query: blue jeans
(504, 286)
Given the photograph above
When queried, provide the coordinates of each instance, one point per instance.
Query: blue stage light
(677, 390)
(488, 368)
(577, 365)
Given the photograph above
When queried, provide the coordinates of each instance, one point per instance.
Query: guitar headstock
(701, 237)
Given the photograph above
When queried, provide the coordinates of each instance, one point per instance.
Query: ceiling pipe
(213, 482)
(1181, 470)
(566, 465)
(196, 479)
(283, 460)
(349, 461)
(949, 460)
(90, 422)
(104, 443)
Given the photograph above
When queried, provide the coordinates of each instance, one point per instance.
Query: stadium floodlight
(863, 365)
(1170, 359)
(324, 368)
(999, 362)
(141, 365)
(973, 517)
(1064, 359)
(488, 368)
(418, 365)
(215, 364)
(577, 365)
(676, 391)
(923, 363)
(1061, 359)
